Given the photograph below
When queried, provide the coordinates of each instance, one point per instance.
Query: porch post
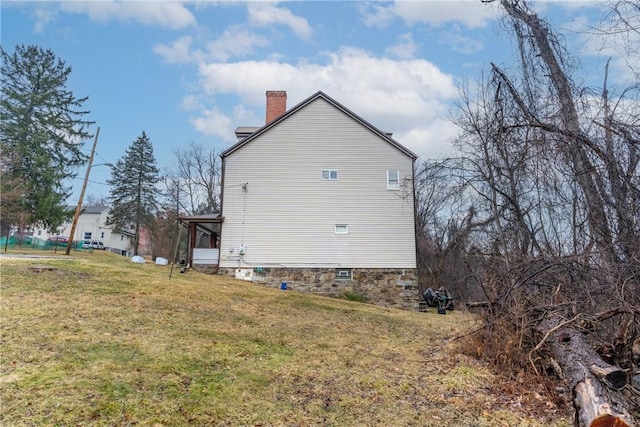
(192, 242)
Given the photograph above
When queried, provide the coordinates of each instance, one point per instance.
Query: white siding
(287, 215)
(205, 256)
(95, 223)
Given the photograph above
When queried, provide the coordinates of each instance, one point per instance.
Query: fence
(34, 243)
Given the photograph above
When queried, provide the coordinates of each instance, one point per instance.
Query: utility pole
(84, 187)
(175, 254)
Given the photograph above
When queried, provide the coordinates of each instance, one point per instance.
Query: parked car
(93, 244)
(58, 240)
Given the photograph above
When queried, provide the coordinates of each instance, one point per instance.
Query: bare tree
(93, 200)
(192, 188)
(619, 33)
(553, 170)
(194, 183)
(585, 151)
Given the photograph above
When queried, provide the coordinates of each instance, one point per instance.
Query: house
(320, 199)
(92, 225)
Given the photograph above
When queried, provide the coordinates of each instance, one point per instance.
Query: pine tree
(134, 193)
(41, 133)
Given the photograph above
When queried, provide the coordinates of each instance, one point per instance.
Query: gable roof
(89, 209)
(318, 95)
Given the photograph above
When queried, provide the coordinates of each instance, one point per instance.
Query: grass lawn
(99, 340)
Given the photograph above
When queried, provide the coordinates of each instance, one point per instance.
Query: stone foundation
(388, 287)
(205, 268)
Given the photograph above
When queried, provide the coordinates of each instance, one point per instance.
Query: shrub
(354, 296)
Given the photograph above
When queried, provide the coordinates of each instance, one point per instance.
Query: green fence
(34, 243)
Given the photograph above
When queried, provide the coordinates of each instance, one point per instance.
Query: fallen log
(612, 376)
(593, 382)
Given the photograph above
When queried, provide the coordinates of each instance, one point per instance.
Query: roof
(125, 233)
(318, 95)
(209, 223)
(91, 209)
(214, 217)
(245, 131)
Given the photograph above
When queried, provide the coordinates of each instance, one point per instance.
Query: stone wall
(381, 286)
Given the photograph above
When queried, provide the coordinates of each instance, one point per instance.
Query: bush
(354, 296)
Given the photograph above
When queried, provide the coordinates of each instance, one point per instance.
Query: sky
(192, 72)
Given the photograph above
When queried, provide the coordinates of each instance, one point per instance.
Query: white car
(93, 244)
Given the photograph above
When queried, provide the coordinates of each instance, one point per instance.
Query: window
(343, 273)
(393, 179)
(342, 229)
(87, 235)
(102, 234)
(329, 175)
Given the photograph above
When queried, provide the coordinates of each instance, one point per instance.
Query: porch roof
(208, 223)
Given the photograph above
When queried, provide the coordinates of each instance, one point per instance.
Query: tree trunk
(593, 382)
(583, 168)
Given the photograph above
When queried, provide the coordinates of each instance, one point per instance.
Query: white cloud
(470, 13)
(597, 32)
(266, 14)
(459, 42)
(212, 122)
(407, 97)
(173, 15)
(405, 48)
(376, 15)
(617, 42)
(573, 5)
(43, 15)
(235, 42)
(244, 116)
(431, 141)
(190, 103)
(178, 52)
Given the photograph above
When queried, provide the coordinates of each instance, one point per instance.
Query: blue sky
(193, 71)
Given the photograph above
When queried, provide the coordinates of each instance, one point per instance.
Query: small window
(393, 179)
(329, 175)
(102, 234)
(341, 229)
(343, 273)
(87, 235)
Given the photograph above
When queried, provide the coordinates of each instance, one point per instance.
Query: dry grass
(99, 340)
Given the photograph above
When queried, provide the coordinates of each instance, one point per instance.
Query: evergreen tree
(134, 193)
(41, 133)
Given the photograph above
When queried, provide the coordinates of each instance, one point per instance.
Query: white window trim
(341, 276)
(341, 229)
(329, 171)
(393, 185)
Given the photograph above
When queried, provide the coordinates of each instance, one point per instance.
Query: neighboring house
(92, 225)
(322, 200)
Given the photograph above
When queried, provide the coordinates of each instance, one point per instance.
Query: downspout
(223, 160)
(415, 217)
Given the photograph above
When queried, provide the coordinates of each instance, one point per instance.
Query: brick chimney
(276, 104)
